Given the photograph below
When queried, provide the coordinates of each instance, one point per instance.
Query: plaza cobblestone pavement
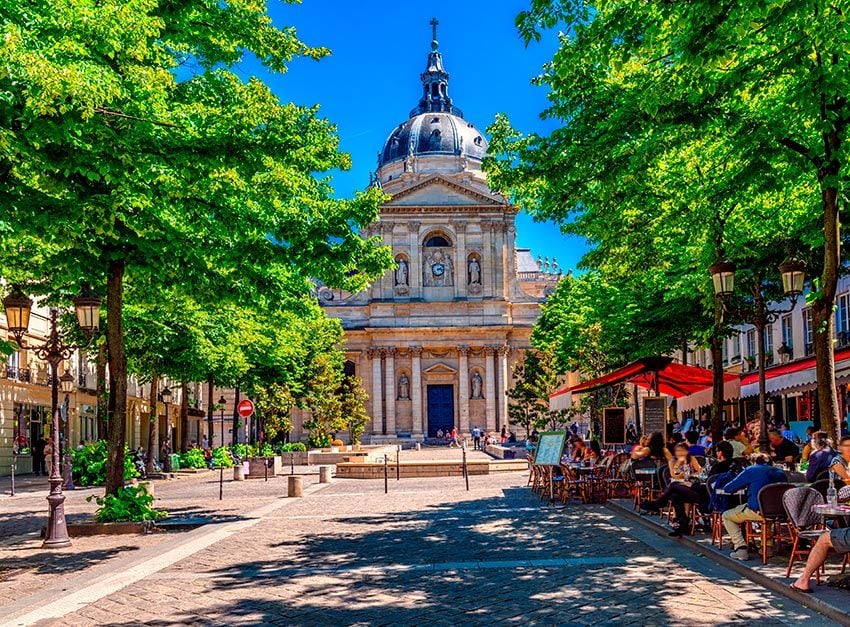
(429, 551)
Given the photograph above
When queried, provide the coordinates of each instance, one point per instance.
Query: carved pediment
(440, 369)
(440, 191)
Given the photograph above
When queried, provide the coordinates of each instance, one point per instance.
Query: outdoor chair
(821, 486)
(571, 485)
(805, 525)
(773, 516)
(618, 482)
(645, 487)
(716, 518)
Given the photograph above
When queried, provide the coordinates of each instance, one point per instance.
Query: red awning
(673, 379)
(794, 366)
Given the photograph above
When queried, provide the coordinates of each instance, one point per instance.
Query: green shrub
(240, 451)
(193, 458)
(293, 447)
(319, 440)
(88, 464)
(129, 504)
(222, 457)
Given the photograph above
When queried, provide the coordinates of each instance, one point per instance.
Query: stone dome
(432, 134)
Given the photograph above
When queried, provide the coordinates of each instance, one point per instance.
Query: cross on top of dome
(435, 82)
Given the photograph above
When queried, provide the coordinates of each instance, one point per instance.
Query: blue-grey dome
(433, 133)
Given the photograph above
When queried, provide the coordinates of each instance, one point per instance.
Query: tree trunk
(717, 423)
(101, 392)
(822, 308)
(117, 377)
(184, 416)
(210, 432)
(153, 425)
(235, 439)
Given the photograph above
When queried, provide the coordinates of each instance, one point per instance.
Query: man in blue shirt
(753, 479)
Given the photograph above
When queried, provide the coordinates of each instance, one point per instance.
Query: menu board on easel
(613, 425)
(654, 414)
(550, 447)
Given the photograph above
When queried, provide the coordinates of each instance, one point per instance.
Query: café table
(839, 513)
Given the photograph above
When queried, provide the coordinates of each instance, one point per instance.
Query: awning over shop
(704, 398)
(797, 376)
(659, 373)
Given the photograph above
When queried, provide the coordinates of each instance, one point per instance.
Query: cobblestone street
(427, 552)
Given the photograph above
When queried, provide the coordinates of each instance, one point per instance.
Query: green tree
(535, 377)
(274, 404)
(693, 128)
(353, 398)
(131, 152)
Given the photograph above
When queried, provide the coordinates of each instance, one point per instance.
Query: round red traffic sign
(245, 408)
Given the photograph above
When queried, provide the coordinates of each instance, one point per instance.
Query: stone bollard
(325, 474)
(238, 472)
(418, 446)
(296, 486)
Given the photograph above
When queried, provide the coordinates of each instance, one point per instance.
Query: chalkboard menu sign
(550, 447)
(654, 414)
(614, 425)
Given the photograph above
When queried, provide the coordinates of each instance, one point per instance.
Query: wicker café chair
(805, 525)
(773, 515)
(618, 482)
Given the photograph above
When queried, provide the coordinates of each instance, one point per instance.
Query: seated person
(658, 452)
(640, 450)
(784, 451)
(821, 457)
(682, 489)
(753, 478)
(579, 449)
(725, 459)
(841, 463)
(738, 439)
(837, 540)
(808, 447)
(693, 448)
(593, 453)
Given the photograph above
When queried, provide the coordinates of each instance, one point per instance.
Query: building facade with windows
(791, 379)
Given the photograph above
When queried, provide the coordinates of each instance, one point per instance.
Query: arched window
(437, 241)
(349, 369)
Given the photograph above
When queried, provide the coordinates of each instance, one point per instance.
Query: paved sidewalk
(427, 552)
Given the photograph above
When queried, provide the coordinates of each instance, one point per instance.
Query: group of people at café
(732, 467)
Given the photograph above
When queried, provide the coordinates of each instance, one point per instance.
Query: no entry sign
(245, 408)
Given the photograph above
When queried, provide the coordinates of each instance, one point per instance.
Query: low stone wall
(257, 466)
(430, 468)
(298, 458)
(506, 452)
(353, 454)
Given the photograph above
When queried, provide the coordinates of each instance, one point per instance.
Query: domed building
(435, 339)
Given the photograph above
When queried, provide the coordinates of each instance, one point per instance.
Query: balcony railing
(18, 374)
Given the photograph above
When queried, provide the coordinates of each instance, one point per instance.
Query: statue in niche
(474, 271)
(438, 270)
(403, 387)
(477, 383)
(401, 272)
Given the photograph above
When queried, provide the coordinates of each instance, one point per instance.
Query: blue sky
(371, 80)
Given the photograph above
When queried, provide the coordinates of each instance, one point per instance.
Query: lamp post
(221, 404)
(793, 273)
(166, 395)
(18, 308)
(66, 383)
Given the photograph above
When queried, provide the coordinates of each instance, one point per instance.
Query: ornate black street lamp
(793, 272)
(66, 385)
(18, 307)
(166, 395)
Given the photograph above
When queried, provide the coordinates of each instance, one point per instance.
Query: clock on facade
(438, 269)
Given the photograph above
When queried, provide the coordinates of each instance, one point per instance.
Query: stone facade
(434, 340)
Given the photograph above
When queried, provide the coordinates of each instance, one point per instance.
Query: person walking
(48, 458)
(476, 438)
(454, 443)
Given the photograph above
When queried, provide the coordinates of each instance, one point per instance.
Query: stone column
(463, 388)
(390, 389)
(501, 396)
(377, 413)
(416, 391)
(415, 275)
(490, 388)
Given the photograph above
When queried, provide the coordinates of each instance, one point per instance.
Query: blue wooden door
(441, 408)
